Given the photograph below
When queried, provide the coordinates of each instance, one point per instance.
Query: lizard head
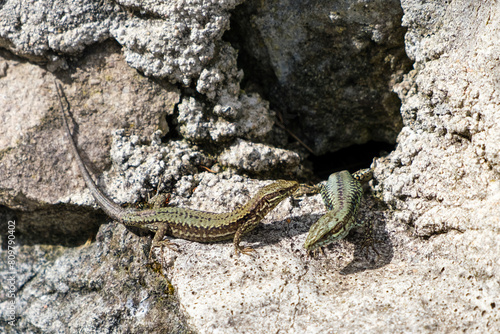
(327, 229)
(279, 190)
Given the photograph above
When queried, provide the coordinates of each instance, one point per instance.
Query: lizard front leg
(237, 239)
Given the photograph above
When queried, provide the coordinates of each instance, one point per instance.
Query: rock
(433, 202)
(327, 67)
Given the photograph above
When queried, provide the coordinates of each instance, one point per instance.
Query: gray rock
(39, 30)
(178, 48)
(433, 202)
(103, 286)
(443, 176)
(36, 171)
(259, 158)
(182, 37)
(329, 67)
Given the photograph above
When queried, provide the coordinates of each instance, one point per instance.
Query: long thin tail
(109, 207)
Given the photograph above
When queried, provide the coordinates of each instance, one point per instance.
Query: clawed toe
(246, 250)
(165, 243)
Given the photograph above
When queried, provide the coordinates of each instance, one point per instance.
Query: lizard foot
(315, 252)
(369, 242)
(164, 243)
(246, 250)
(305, 190)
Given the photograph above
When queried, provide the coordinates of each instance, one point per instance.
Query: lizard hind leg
(369, 240)
(315, 252)
(246, 250)
(159, 242)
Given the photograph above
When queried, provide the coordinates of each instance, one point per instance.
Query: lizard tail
(110, 208)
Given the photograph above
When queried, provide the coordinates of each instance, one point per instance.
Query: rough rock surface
(433, 203)
(258, 158)
(174, 40)
(105, 94)
(443, 178)
(328, 66)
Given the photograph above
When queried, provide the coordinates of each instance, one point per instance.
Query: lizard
(342, 195)
(189, 224)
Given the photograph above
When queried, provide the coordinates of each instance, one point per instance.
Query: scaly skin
(204, 226)
(187, 223)
(342, 195)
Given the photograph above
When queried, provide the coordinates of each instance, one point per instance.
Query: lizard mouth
(326, 230)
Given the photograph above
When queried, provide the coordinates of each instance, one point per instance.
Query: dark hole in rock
(350, 158)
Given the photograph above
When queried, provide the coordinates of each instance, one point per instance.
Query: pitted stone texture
(248, 117)
(174, 40)
(39, 30)
(447, 161)
(443, 178)
(258, 158)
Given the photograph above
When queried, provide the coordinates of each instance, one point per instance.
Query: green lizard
(342, 195)
(183, 223)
